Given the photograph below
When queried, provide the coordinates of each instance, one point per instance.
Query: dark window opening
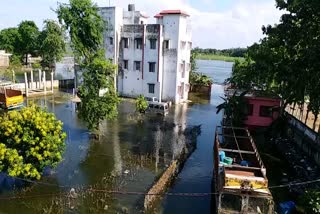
(166, 44)
(153, 43)
(138, 42)
(137, 65)
(125, 42)
(152, 66)
(125, 64)
(111, 40)
(265, 111)
(151, 88)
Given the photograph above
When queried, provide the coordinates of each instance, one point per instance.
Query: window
(249, 109)
(166, 44)
(137, 65)
(265, 111)
(151, 88)
(125, 64)
(183, 44)
(152, 66)
(111, 40)
(153, 43)
(125, 42)
(138, 42)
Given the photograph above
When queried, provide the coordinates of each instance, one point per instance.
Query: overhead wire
(123, 192)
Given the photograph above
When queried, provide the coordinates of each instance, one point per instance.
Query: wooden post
(31, 79)
(26, 83)
(13, 77)
(44, 83)
(39, 78)
(51, 81)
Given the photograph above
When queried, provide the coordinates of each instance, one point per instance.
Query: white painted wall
(168, 75)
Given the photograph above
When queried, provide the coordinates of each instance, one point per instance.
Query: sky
(215, 23)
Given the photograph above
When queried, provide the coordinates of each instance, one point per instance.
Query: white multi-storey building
(153, 59)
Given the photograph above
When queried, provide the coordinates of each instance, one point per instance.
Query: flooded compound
(131, 154)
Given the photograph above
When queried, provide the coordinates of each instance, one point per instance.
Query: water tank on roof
(131, 7)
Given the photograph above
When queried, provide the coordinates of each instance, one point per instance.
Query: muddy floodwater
(130, 155)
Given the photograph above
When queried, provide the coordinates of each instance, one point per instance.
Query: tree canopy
(28, 39)
(52, 43)
(85, 26)
(8, 39)
(286, 60)
(31, 139)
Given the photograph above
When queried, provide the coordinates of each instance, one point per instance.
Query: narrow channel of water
(131, 153)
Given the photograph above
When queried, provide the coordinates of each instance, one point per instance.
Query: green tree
(286, 60)
(52, 41)
(31, 139)
(85, 27)
(8, 39)
(96, 106)
(141, 104)
(28, 39)
(84, 24)
(235, 108)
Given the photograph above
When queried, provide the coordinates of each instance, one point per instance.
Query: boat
(10, 98)
(241, 184)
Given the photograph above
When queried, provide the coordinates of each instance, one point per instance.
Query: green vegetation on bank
(203, 56)
(49, 44)
(228, 55)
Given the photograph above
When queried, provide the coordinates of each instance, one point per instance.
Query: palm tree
(235, 108)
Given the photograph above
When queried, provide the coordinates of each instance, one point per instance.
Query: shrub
(30, 140)
(141, 104)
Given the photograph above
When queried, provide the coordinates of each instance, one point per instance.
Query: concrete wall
(4, 59)
(132, 84)
(176, 58)
(305, 138)
(65, 69)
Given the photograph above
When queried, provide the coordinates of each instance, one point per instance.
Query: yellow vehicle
(10, 98)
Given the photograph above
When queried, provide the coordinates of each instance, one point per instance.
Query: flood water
(129, 156)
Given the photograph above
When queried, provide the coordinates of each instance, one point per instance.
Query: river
(131, 153)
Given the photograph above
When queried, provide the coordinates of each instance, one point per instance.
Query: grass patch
(217, 57)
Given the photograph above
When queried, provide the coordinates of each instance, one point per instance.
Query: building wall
(132, 79)
(168, 80)
(4, 59)
(170, 57)
(176, 58)
(255, 119)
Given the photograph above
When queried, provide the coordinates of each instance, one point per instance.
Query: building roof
(144, 15)
(158, 15)
(171, 12)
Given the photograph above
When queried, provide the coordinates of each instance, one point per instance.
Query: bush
(310, 202)
(36, 65)
(30, 140)
(141, 104)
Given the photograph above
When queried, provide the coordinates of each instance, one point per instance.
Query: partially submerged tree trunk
(315, 122)
(306, 119)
